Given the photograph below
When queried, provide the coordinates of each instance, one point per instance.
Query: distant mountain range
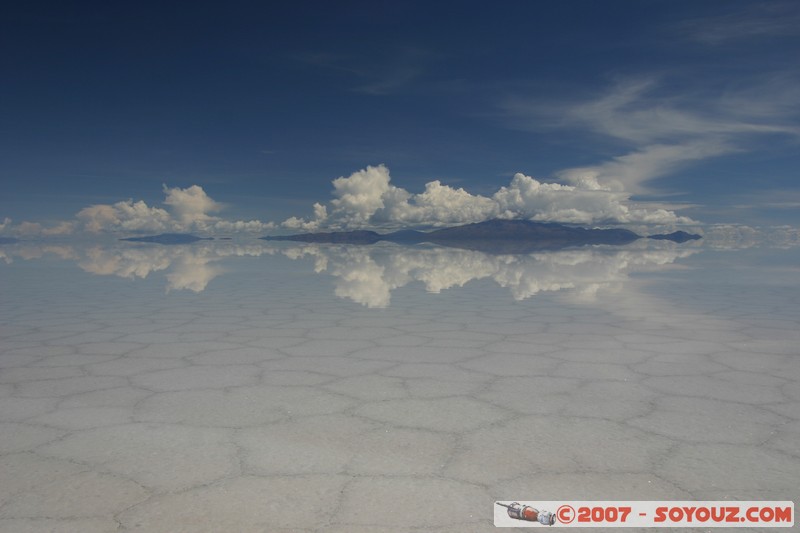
(676, 236)
(169, 238)
(493, 236)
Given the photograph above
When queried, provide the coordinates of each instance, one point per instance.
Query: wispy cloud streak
(660, 134)
(758, 19)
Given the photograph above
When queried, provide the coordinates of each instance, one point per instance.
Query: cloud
(767, 200)
(636, 111)
(656, 131)
(239, 226)
(189, 210)
(362, 194)
(645, 110)
(756, 20)
(125, 216)
(628, 172)
(62, 228)
(367, 198)
(28, 229)
(191, 205)
(661, 133)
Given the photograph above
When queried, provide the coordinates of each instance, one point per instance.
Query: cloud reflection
(186, 267)
(368, 275)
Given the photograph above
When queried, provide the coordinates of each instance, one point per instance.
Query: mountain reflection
(369, 275)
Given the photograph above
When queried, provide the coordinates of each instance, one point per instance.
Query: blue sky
(612, 112)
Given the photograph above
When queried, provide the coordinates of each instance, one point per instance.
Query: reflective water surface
(283, 387)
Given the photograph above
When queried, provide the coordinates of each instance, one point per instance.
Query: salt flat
(331, 388)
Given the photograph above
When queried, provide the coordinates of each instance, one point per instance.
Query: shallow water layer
(270, 388)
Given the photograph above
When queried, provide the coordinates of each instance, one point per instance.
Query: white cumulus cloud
(191, 205)
(185, 210)
(188, 210)
(125, 216)
(367, 198)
